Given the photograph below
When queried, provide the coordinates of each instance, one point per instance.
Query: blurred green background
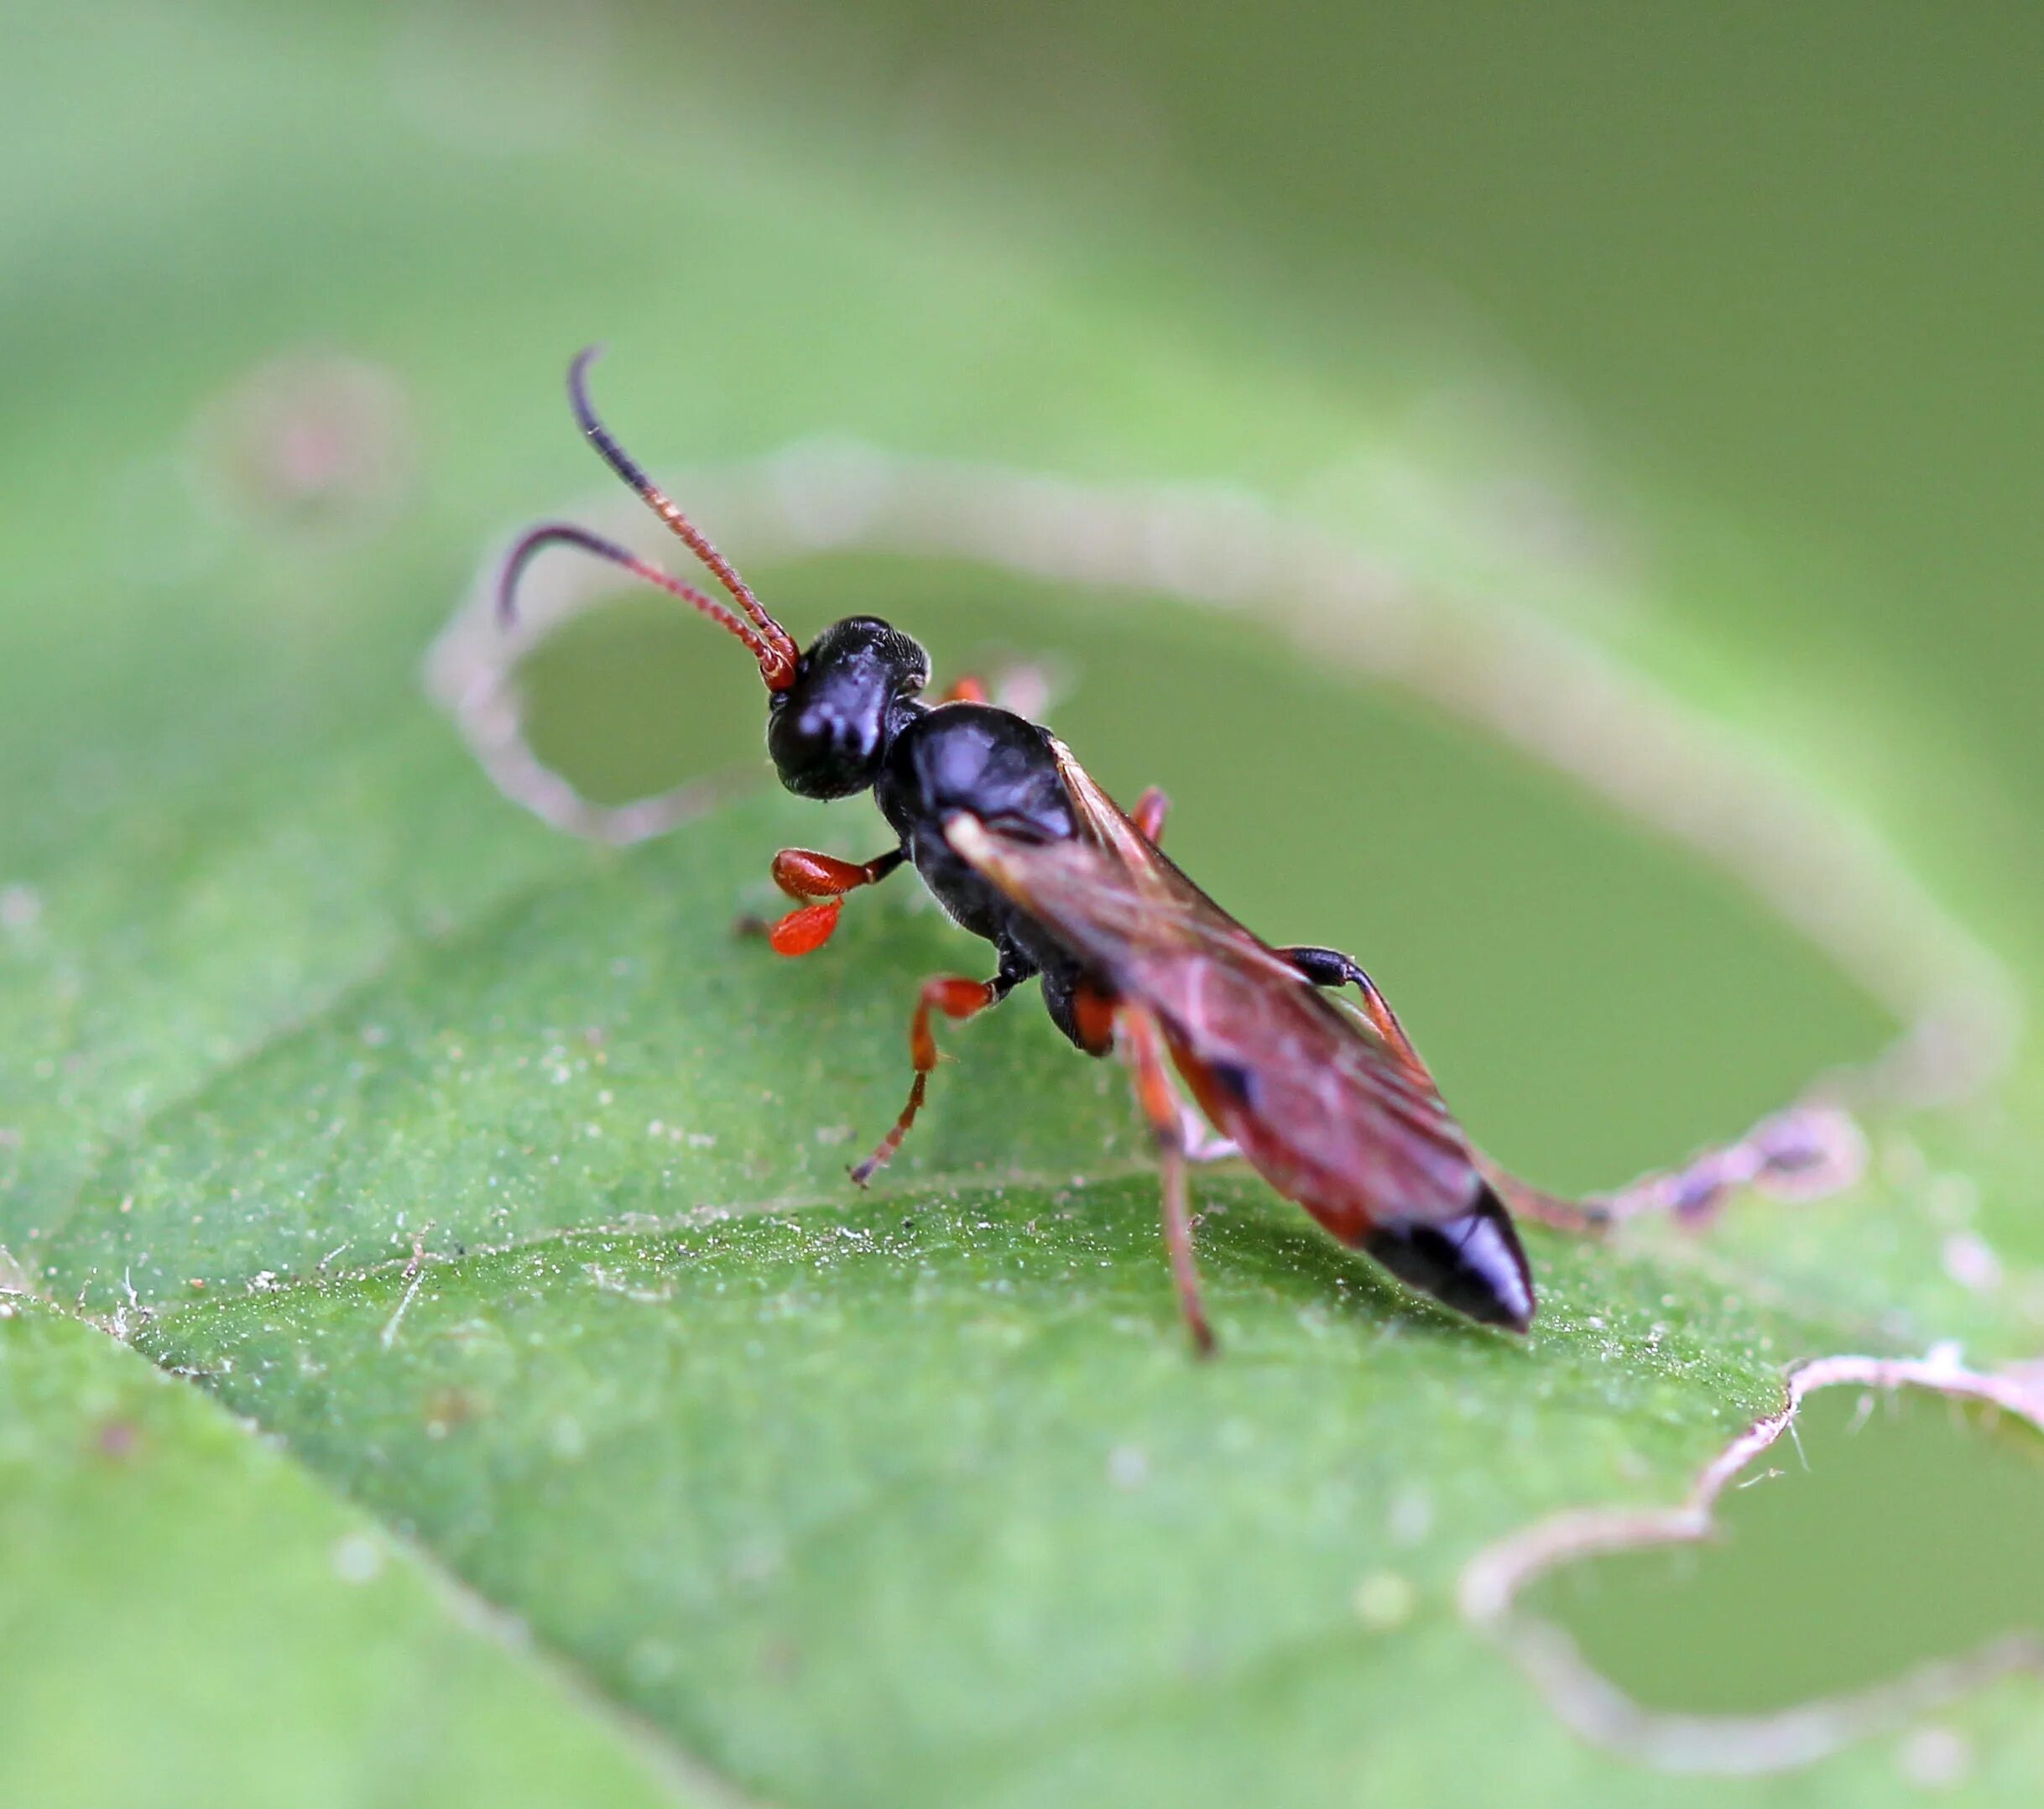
(1751, 294)
(1710, 333)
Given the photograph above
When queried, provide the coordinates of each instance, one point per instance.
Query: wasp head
(854, 688)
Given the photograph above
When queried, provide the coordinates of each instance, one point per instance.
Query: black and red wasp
(1333, 1105)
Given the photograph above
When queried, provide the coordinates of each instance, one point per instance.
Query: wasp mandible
(1330, 1102)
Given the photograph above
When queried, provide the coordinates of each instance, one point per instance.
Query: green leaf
(188, 1619)
(925, 1500)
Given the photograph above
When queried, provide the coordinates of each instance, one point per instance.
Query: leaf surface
(188, 1617)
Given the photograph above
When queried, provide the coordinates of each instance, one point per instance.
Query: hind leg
(1330, 968)
(1804, 1150)
(1801, 1152)
(1142, 1045)
(1087, 1015)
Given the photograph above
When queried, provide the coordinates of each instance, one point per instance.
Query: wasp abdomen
(1472, 1264)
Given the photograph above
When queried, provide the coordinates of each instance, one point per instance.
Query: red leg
(1331, 968)
(1143, 1045)
(957, 999)
(1378, 1010)
(966, 690)
(1149, 814)
(1543, 1208)
(1804, 1152)
(819, 883)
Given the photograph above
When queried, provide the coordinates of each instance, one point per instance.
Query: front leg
(818, 882)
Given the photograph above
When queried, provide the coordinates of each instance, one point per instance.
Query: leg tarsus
(1803, 1152)
(1178, 1242)
(806, 929)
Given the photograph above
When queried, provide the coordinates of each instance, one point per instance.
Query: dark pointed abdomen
(1472, 1264)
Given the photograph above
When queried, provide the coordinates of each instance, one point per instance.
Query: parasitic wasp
(1329, 1101)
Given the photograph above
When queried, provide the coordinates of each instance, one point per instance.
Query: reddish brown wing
(1319, 1103)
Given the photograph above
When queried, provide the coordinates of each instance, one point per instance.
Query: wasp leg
(1804, 1151)
(1331, 968)
(1143, 1047)
(958, 998)
(1148, 814)
(966, 690)
(1086, 1014)
(818, 884)
(1801, 1152)
(1589, 1218)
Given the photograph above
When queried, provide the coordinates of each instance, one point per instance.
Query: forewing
(1132, 893)
(1319, 1102)
(1107, 826)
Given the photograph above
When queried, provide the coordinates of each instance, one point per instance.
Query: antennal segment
(776, 659)
(659, 502)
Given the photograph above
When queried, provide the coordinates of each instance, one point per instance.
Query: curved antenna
(776, 659)
(657, 501)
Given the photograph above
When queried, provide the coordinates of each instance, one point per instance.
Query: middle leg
(958, 998)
